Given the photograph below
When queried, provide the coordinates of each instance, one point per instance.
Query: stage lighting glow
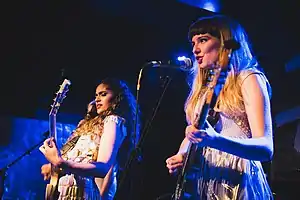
(209, 6)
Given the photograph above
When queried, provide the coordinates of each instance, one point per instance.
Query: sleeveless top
(73, 187)
(224, 176)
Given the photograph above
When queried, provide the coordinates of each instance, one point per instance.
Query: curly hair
(123, 105)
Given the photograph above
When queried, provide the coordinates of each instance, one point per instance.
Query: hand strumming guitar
(174, 163)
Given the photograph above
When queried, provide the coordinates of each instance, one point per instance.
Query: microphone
(182, 63)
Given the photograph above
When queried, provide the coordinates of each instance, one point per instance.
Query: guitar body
(52, 188)
(51, 192)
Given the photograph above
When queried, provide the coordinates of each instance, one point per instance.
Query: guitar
(186, 187)
(51, 189)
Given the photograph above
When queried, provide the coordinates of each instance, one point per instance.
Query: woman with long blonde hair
(233, 147)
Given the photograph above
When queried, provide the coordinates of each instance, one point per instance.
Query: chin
(206, 66)
(101, 111)
(203, 66)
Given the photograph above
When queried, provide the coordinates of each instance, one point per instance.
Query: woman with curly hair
(98, 147)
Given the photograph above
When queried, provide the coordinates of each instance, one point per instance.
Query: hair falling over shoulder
(123, 105)
(242, 61)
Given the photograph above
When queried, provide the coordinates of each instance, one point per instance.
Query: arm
(110, 142)
(257, 105)
(183, 146)
(106, 181)
(176, 161)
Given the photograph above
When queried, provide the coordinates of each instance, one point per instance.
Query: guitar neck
(51, 189)
(52, 126)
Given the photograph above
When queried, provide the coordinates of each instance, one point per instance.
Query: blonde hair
(92, 125)
(242, 62)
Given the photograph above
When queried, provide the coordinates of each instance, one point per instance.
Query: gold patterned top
(86, 151)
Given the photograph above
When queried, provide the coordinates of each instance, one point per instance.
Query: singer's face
(103, 98)
(205, 49)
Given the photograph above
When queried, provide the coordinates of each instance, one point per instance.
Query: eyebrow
(203, 35)
(101, 92)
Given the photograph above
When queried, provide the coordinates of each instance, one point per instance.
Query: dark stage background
(43, 42)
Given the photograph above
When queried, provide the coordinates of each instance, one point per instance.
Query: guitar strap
(69, 145)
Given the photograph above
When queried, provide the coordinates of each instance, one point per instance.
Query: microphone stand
(3, 171)
(135, 153)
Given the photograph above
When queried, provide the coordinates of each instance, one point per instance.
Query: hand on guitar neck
(51, 152)
(51, 171)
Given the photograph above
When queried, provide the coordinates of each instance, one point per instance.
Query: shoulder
(244, 74)
(115, 122)
(114, 119)
(254, 79)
